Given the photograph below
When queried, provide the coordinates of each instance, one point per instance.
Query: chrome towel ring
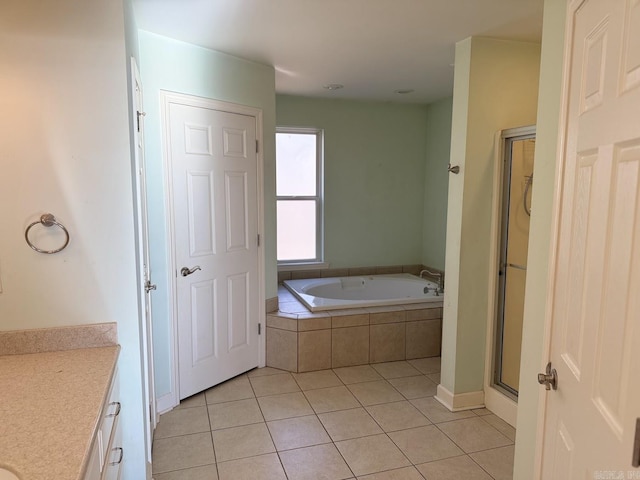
(48, 220)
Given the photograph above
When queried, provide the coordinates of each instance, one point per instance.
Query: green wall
(174, 66)
(374, 167)
(495, 87)
(436, 183)
(544, 171)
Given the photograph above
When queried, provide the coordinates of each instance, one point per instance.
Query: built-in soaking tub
(321, 294)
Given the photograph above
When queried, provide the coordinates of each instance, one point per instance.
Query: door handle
(148, 286)
(184, 271)
(549, 379)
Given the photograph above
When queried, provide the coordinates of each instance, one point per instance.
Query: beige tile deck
(370, 422)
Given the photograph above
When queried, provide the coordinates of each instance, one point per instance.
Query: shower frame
(501, 205)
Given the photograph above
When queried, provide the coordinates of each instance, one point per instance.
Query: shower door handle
(515, 265)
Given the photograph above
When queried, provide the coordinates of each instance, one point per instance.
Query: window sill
(293, 267)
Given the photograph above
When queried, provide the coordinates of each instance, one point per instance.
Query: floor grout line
(299, 384)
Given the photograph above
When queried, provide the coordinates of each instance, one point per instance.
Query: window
(299, 195)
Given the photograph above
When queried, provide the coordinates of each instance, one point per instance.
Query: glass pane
(296, 164)
(296, 230)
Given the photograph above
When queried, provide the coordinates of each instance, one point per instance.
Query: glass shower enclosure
(517, 186)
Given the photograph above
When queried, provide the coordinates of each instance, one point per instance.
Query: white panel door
(590, 419)
(214, 174)
(143, 255)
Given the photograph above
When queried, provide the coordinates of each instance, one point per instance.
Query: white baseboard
(457, 402)
(165, 403)
(501, 405)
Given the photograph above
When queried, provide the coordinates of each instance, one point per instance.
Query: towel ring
(48, 220)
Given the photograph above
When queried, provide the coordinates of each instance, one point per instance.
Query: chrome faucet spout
(438, 275)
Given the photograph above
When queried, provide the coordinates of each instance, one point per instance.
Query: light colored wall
(529, 420)
(436, 182)
(495, 87)
(374, 177)
(180, 67)
(65, 149)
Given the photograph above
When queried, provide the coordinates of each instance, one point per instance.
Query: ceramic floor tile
(197, 400)
(274, 384)
(371, 454)
(414, 387)
(313, 463)
(372, 393)
(453, 469)
(425, 444)
(397, 416)
(297, 432)
(497, 462)
(182, 422)
(406, 473)
(427, 365)
(241, 442)
(474, 434)
(287, 405)
(436, 412)
(500, 425)
(264, 467)
(237, 388)
(186, 451)
(395, 369)
(331, 399)
(434, 377)
(347, 424)
(234, 414)
(481, 412)
(319, 379)
(361, 373)
(207, 472)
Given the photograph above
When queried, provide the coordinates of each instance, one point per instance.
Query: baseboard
(457, 402)
(165, 403)
(503, 406)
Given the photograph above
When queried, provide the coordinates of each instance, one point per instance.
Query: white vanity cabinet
(107, 454)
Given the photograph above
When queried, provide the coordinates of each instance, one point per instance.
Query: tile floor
(375, 422)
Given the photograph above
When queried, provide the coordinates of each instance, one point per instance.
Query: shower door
(517, 185)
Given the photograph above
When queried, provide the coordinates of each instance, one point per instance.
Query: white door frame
(166, 99)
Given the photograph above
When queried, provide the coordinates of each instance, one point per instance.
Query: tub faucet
(439, 276)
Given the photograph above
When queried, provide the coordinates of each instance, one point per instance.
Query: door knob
(184, 271)
(549, 379)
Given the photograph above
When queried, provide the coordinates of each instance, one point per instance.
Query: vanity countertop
(50, 406)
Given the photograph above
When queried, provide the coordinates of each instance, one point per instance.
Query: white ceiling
(372, 47)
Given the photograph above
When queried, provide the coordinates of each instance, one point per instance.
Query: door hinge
(257, 146)
(259, 329)
(140, 114)
(258, 239)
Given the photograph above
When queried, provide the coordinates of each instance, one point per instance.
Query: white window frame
(318, 198)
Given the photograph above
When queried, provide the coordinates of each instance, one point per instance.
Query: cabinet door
(110, 420)
(93, 467)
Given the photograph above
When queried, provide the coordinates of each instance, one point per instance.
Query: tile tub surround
(300, 273)
(301, 341)
(53, 383)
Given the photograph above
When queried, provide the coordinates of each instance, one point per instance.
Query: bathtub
(319, 294)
